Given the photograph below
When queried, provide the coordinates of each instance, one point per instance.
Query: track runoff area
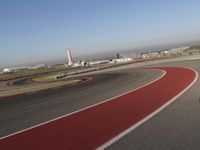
(98, 126)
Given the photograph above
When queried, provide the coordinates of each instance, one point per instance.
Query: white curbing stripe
(124, 133)
(164, 73)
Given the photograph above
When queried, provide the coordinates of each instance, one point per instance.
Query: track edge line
(132, 128)
(63, 116)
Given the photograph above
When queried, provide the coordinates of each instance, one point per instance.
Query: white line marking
(164, 73)
(115, 139)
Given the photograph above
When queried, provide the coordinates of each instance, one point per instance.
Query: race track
(92, 127)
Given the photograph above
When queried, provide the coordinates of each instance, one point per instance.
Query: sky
(41, 30)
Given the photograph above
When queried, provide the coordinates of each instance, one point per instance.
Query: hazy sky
(40, 30)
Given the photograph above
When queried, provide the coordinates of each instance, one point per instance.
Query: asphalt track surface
(92, 127)
(21, 112)
(177, 127)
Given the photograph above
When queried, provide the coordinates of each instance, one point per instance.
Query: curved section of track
(92, 127)
(24, 111)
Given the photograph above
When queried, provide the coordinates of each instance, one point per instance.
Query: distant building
(154, 54)
(98, 62)
(6, 70)
(15, 69)
(121, 60)
(42, 66)
(145, 56)
(39, 66)
(135, 55)
(80, 64)
(164, 53)
(177, 51)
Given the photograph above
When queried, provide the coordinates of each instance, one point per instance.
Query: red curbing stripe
(82, 109)
(92, 127)
(132, 128)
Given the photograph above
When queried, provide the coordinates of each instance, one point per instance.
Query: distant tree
(117, 55)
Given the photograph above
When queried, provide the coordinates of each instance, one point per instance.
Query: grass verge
(35, 88)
